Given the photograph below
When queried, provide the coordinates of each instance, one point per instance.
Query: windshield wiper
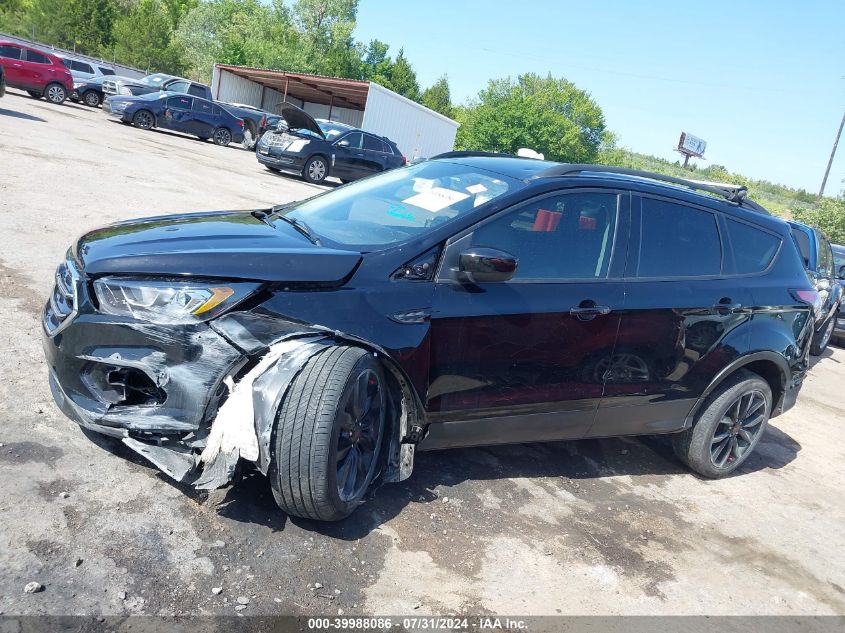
(302, 227)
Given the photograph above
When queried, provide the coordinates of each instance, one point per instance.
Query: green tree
(144, 38)
(548, 115)
(376, 63)
(325, 27)
(828, 215)
(437, 97)
(82, 25)
(402, 78)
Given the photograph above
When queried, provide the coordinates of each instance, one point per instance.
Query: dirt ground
(593, 527)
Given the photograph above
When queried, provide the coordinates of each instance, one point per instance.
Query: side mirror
(482, 264)
(343, 143)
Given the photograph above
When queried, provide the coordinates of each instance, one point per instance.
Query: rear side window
(67, 63)
(678, 241)
(106, 71)
(202, 106)
(752, 249)
(802, 241)
(373, 144)
(12, 52)
(37, 58)
(82, 67)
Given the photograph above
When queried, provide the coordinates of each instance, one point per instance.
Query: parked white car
(82, 69)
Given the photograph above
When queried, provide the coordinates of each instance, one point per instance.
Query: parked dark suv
(460, 301)
(818, 260)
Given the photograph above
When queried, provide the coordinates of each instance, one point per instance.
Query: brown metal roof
(343, 93)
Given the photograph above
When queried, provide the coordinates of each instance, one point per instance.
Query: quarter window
(106, 71)
(678, 241)
(563, 237)
(12, 52)
(752, 248)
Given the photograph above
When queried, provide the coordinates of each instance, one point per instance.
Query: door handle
(590, 312)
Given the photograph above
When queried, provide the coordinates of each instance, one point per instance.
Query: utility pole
(832, 154)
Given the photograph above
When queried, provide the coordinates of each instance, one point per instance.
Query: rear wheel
(822, 337)
(316, 170)
(91, 99)
(55, 93)
(328, 435)
(222, 136)
(143, 120)
(728, 427)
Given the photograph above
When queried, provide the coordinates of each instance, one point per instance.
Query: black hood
(298, 119)
(226, 245)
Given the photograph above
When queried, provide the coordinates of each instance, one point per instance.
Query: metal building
(418, 131)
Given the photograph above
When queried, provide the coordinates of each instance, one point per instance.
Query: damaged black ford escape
(465, 300)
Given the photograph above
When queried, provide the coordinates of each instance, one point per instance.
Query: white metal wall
(417, 130)
(230, 88)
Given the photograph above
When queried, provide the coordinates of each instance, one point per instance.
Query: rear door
(37, 67)
(203, 119)
(681, 321)
(12, 58)
(520, 361)
(374, 159)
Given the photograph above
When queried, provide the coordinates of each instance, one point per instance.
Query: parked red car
(39, 73)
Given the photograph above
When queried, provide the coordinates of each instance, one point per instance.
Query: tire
(317, 438)
(143, 120)
(91, 99)
(316, 170)
(743, 399)
(55, 93)
(821, 339)
(222, 136)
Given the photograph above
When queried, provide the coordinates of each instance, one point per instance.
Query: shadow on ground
(21, 115)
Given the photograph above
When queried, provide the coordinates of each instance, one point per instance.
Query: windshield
(155, 80)
(332, 130)
(400, 204)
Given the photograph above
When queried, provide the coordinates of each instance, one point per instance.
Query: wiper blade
(302, 227)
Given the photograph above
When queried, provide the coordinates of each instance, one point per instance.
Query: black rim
(144, 120)
(359, 440)
(222, 137)
(738, 430)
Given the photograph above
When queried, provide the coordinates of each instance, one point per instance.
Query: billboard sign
(691, 145)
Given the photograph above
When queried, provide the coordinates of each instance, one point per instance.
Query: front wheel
(91, 99)
(56, 94)
(728, 427)
(222, 136)
(143, 120)
(822, 337)
(316, 170)
(328, 435)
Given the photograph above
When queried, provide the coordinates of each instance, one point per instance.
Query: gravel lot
(592, 527)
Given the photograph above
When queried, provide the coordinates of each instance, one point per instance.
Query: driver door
(523, 360)
(348, 156)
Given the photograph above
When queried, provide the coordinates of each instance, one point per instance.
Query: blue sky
(762, 82)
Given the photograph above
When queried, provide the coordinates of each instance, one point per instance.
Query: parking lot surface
(594, 527)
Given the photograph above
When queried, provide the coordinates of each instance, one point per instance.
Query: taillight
(404, 161)
(241, 122)
(810, 297)
(264, 121)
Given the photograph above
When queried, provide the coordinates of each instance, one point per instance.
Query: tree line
(187, 37)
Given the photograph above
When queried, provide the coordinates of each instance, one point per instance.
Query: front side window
(178, 86)
(752, 248)
(37, 58)
(678, 241)
(400, 204)
(563, 237)
(352, 141)
(9, 51)
(179, 103)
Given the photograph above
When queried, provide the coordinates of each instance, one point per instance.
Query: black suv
(817, 255)
(464, 300)
(319, 149)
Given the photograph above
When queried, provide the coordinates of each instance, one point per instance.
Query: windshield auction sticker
(436, 199)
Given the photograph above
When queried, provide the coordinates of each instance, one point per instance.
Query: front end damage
(195, 400)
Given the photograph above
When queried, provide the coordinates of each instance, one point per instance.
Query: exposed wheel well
(771, 373)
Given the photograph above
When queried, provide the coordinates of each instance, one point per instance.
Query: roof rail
(737, 194)
(472, 154)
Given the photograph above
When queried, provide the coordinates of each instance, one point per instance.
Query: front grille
(62, 306)
(110, 87)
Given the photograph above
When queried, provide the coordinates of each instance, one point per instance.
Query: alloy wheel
(359, 440)
(92, 99)
(144, 120)
(739, 429)
(56, 94)
(222, 137)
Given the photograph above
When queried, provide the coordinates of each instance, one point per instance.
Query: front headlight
(168, 302)
(296, 146)
(124, 90)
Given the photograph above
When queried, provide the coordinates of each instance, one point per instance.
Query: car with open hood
(466, 300)
(178, 112)
(316, 149)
